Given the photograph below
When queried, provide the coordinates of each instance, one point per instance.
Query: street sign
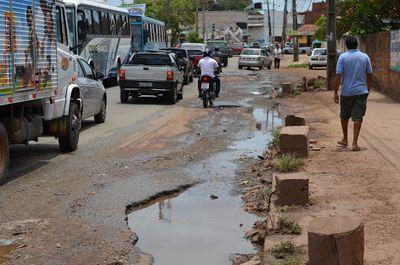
(138, 9)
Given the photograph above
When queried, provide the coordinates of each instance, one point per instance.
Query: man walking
(354, 73)
(277, 56)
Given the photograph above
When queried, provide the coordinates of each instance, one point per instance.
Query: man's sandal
(342, 144)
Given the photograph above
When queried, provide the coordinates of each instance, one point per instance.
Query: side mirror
(100, 75)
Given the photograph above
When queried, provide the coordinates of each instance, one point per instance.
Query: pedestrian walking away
(277, 56)
(354, 75)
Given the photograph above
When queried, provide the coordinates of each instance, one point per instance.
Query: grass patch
(275, 138)
(283, 250)
(263, 194)
(288, 163)
(296, 93)
(304, 65)
(288, 226)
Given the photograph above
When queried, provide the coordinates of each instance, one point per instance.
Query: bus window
(113, 24)
(137, 37)
(97, 22)
(126, 28)
(120, 23)
(89, 21)
(105, 23)
(81, 26)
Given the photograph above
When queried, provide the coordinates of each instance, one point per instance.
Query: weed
(288, 226)
(286, 208)
(296, 92)
(288, 163)
(304, 65)
(312, 200)
(283, 250)
(263, 194)
(275, 138)
(318, 84)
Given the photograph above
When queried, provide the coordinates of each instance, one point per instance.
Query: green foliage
(322, 28)
(288, 226)
(367, 16)
(288, 163)
(283, 250)
(275, 138)
(194, 37)
(181, 13)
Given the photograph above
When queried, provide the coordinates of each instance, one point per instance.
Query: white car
(94, 95)
(254, 58)
(318, 58)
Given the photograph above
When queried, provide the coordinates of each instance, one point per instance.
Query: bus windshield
(71, 19)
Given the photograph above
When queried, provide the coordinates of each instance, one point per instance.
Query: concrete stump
(295, 140)
(292, 188)
(336, 241)
(287, 89)
(293, 120)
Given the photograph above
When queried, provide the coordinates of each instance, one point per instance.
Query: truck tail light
(170, 75)
(122, 74)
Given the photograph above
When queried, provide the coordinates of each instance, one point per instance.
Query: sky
(302, 5)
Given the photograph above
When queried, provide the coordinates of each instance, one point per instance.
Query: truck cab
(38, 91)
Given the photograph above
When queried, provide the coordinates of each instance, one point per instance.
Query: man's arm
(337, 86)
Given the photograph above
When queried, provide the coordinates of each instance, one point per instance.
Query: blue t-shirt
(354, 66)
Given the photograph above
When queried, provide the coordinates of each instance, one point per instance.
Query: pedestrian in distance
(277, 56)
(354, 75)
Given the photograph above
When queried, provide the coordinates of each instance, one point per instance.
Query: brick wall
(377, 46)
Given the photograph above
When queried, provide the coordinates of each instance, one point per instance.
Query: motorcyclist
(208, 67)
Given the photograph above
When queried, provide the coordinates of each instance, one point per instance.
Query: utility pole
(295, 37)
(204, 20)
(285, 13)
(331, 44)
(197, 16)
(273, 21)
(269, 22)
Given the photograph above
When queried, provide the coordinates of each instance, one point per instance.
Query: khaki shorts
(353, 107)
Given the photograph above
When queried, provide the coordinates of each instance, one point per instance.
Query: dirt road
(71, 208)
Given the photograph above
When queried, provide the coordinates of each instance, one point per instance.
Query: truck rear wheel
(70, 143)
(4, 153)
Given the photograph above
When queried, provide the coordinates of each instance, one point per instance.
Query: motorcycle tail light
(170, 75)
(122, 74)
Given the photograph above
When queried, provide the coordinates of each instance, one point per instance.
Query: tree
(218, 5)
(194, 37)
(179, 13)
(322, 28)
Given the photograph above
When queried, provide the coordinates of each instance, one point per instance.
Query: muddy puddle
(205, 224)
(6, 247)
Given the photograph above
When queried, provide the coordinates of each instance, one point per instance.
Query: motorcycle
(207, 91)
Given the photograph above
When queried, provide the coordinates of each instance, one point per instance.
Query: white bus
(99, 33)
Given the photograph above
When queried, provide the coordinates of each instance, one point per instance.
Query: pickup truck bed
(150, 73)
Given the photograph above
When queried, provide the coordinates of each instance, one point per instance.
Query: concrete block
(292, 188)
(336, 240)
(295, 140)
(287, 89)
(293, 120)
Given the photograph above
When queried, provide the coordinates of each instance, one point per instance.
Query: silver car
(255, 58)
(318, 58)
(94, 95)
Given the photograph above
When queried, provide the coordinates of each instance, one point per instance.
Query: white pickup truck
(151, 73)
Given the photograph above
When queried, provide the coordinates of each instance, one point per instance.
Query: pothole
(6, 247)
(206, 223)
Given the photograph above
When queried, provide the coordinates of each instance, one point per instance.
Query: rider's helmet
(207, 53)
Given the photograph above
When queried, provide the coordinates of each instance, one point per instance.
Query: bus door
(136, 35)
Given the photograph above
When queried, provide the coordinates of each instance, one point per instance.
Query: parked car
(194, 46)
(195, 57)
(289, 49)
(185, 62)
(318, 58)
(223, 48)
(254, 58)
(94, 95)
(152, 73)
(237, 48)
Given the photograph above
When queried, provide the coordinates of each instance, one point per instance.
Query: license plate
(145, 84)
(205, 86)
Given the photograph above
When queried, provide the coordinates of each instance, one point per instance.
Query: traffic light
(213, 26)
